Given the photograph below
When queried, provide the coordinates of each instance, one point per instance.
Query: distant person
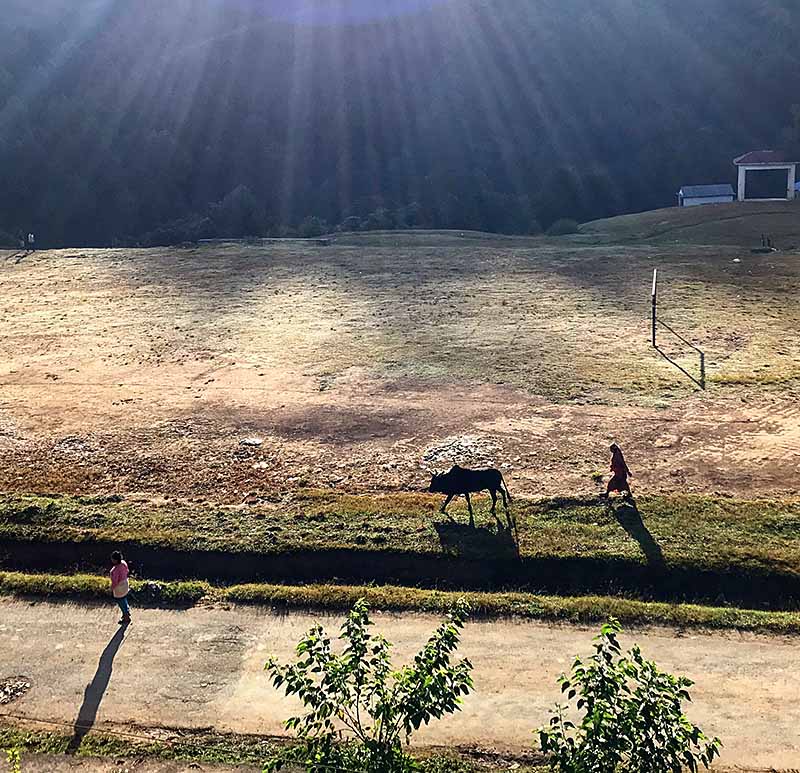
(119, 585)
(620, 472)
(32, 242)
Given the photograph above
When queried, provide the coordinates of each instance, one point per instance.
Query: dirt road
(204, 667)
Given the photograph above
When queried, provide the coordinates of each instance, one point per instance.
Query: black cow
(462, 481)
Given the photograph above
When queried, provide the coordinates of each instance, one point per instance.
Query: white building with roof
(765, 161)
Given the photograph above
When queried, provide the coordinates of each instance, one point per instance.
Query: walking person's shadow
(95, 690)
(628, 516)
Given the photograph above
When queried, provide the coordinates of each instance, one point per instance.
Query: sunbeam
(206, 117)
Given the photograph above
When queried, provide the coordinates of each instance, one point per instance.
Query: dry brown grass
(560, 319)
(141, 370)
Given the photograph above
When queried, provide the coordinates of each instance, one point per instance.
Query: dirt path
(204, 667)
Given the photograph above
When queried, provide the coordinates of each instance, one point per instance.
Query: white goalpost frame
(655, 288)
(655, 322)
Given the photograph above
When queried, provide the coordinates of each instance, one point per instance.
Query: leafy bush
(351, 223)
(534, 227)
(312, 227)
(14, 760)
(378, 220)
(563, 227)
(632, 722)
(187, 229)
(359, 709)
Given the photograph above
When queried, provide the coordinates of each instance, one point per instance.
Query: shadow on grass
(627, 514)
(567, 503)
(475, 559)
(698, 382)
(467, 541)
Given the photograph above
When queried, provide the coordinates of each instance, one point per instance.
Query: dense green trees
(155, 122)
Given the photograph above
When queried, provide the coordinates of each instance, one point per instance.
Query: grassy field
(733, 224)
(703, 531)
(285, 402)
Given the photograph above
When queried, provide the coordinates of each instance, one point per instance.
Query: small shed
(695, 195)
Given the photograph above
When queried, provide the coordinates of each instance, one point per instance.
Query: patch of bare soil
(720, 445)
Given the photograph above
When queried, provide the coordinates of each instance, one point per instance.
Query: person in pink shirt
(119, 585)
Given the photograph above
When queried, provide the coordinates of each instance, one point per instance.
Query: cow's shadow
(477, 542)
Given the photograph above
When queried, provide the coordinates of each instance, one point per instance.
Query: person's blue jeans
(124, 606)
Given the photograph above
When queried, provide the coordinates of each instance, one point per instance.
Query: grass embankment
(215, 748)
(708, 532)
(338, 598)
(689, 537)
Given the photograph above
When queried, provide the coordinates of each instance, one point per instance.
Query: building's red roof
(763, 157)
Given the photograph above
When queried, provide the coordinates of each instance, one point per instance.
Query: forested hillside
(153, 121)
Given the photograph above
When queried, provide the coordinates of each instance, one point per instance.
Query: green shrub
(312, 227)
(14, 760)
(87, 586)
(563, 227)
(534, 227)
(185, 592)
(351, 223)
(360, 690)
(633, 721)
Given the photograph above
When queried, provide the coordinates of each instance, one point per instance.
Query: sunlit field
(364, 361)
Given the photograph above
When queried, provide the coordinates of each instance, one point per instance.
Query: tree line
(155, 123)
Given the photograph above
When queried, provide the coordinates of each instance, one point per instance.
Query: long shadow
(95, 690)
(679, 367)
(17, 257)
(463, 540)
(558, 503)
(628, 516)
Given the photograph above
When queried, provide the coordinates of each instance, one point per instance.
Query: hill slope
(740, 223)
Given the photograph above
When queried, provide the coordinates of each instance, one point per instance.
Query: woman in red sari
(619, 479)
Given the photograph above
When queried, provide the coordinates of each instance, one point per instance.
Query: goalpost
(656, 322)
